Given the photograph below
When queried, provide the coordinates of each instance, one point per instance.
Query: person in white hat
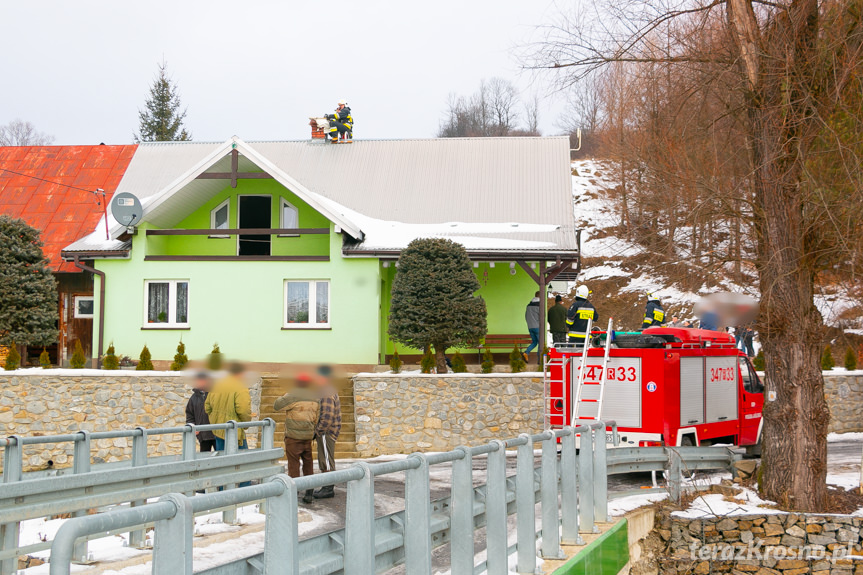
(579, 312)
(341, 123)
(654, 315)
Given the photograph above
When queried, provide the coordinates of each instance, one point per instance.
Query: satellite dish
(126, 209)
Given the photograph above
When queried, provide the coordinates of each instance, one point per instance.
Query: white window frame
(172, 304)
(75, 301)
(313, 304)
(227, 204)
(282, 205)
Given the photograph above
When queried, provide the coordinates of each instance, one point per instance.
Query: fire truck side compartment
(691, 391)
(720, 374)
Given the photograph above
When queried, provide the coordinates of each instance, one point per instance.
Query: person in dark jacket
(341, 123)
(557, 320)
(654, 315)
(579, 313)
(196, 414)
(531, 317)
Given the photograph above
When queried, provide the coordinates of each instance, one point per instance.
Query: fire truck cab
(664, 386)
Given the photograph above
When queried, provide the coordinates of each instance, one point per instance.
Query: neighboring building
(51, 197)
(285, 251)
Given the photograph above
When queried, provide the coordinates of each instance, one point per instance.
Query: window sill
(167, 327)
(288, 235)
(219, 237)
(300, 327)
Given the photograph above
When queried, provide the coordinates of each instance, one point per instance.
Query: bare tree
(21, 133)
(785, 66)
(493, 110)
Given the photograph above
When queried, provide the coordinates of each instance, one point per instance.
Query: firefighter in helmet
(654, 315)
(578, 314)
(341, 123)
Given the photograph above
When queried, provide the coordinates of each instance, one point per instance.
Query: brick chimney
(317, 131)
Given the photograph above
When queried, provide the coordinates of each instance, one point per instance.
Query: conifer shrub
(396, 362)
(180, 358)
(13, 360)
(216, 358)
(111, 361)
(145, 362)
(458, 364)
(758, 362)
(428, 361)
(850, 359)
(487, 365)
(78, 359)
(45, 359)
(516, 360)
(827, 362)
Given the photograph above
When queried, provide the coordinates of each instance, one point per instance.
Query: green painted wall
(317, 245)
(505, 294)
(241, 305)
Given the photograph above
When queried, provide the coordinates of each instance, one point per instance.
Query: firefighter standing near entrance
(654, 315)
(579, 312)
(341, 123)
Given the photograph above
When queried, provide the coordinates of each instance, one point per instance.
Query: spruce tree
(13, 359)
(111, 361)
(433, 301)
(427, 362)
(516, 360)
(458, 364)
(396, 362)
(850, 359)
(28, 292)
(827, 361)
(487, 365)
(214, 360)
(758, 362)
(78, 359)
(162, 118)
(144, 361)
(45, 359)
(180, 358)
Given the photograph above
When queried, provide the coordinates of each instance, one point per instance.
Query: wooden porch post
(543, 297)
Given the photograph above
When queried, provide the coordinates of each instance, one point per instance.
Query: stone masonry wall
(416, 412)
(844, 394)
(53, 402)
(769, 544)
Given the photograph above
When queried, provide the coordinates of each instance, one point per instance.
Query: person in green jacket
(228, 400)
(302, 408)
(557, 321)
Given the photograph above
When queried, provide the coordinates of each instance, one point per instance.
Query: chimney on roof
(319, 126)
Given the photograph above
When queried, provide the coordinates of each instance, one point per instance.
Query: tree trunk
(440, 358)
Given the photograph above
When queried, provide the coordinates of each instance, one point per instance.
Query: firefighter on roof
(654, 315)
(579, 312)
(341, 123)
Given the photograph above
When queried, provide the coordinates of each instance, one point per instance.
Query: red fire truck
(663, 386)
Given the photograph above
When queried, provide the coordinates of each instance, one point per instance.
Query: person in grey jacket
(532, 313)
(196, 414)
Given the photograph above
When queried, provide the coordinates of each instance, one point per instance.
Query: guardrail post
(418, 549)
(268, 433)
(600, 477)
(229, 516)
(548, 495)
(81, 464)
(461, 514)
(585, 478)
(281, 536)
(495, 511)
(172, 548)
(190, 443)
(13, 464)
(674, 475)
(525, 507)
(569, 486)
(138, 538)
(360, 524)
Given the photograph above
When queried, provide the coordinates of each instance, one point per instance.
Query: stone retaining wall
(844, 394)
(768, 544)
(416, 412)
(52, 402)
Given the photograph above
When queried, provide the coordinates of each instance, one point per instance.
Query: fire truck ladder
(578, 385)
(580, 400)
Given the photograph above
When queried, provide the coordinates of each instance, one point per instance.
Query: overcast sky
(81, 70)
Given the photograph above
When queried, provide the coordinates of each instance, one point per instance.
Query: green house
(285, 252)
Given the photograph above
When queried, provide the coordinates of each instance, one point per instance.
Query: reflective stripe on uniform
(575, 334)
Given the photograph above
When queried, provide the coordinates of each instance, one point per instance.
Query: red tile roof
(62, 214)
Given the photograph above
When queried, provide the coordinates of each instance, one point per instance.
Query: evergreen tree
(13, 360)
(433, 302)
(827, 362)
(78, 359)
(458, 364)
(28, 292)
(516, 360)
(162, 120)
(215, 359)
(758, 362)
(180, 358)
(145, 363)
(850, 359)
(396, 362)
(427, 363)
(111, 361)
(487, 365)
(45, 359)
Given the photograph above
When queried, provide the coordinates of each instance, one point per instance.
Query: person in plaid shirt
(328, 428)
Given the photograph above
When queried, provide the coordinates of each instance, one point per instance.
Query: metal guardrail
(574, 488)
(34, 495)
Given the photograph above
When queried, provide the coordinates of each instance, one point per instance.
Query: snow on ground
(92, 372)
(837, 437)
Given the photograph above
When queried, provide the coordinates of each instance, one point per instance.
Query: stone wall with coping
(53, 402)
(403, 413)
(844, 393)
